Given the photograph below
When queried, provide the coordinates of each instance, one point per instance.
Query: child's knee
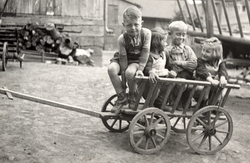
(112, 70)
(129, 74)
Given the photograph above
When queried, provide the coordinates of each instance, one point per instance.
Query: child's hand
(223, 82)
(139, 73)
(165, 72)
(215, 82)
(153, 77)
(172, 74)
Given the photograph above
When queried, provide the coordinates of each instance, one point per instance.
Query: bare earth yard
(36, 133)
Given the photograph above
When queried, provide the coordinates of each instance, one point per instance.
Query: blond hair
(132, 13)
(215, 46)
(178, 26)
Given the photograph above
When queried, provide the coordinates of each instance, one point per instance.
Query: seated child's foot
(121, 101)
(132, 101)
(167, 108)
(180, 107)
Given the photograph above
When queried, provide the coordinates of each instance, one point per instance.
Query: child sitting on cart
(155, 66)
(181, 62)
(211, 68)
(131, 58)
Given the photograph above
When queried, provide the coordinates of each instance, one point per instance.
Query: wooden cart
(208, 129)
(8, 45)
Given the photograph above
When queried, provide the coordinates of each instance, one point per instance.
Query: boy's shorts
(116, 59)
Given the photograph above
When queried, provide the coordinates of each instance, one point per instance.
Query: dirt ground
(36, 133)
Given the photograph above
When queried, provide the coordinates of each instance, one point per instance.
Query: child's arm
(223, 75)
(148, 66)
(223, 70)
(123, 61)
(201, 70)
(145, 49)
(202, 73)
(171, 66)
(191, 61)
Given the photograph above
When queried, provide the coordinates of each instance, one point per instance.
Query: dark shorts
(116, 59)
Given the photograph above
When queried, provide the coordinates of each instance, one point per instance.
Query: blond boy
(132, 56)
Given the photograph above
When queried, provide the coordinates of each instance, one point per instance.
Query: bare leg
(113, 71)
(130, 74)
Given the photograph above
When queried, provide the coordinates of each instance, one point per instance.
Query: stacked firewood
(35, 37)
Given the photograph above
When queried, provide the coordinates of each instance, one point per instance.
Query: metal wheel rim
(116, 124)
(212, 133)
(149, 131)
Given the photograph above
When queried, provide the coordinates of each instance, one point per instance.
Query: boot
(121, 101)
(132, 100)
(203, 103)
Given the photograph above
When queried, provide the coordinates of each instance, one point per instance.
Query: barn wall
(82, 19)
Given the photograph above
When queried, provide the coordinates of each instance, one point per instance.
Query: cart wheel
(4, 60)
(179, 124)
(115, 124)
(149, 131)
(209, 130)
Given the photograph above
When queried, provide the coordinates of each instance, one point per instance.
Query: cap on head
(177, 26)
(215, 47)
(132, 13)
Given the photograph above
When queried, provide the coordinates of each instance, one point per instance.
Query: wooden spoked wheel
(179, 124)
(5, 53)
(113, 123)
(209, 130)
(149, 131)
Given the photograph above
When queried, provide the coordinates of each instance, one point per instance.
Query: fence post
(209, 18)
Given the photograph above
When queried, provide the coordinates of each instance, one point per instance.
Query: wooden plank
(43, 7)
(72, 9)
(83, 8)
(25, 6)
(58, 7)
(11, 6)
(184, 81)
(50, 7)
(36, 7)
(8, 94)
(52, 103)
(19, 7)
(1, 5)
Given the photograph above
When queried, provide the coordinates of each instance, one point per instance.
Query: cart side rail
(183, 84)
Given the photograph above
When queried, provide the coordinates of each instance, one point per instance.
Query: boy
(132, 56)
(181, 60)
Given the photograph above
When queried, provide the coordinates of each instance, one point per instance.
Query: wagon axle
(210, 132)
(150, 131)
